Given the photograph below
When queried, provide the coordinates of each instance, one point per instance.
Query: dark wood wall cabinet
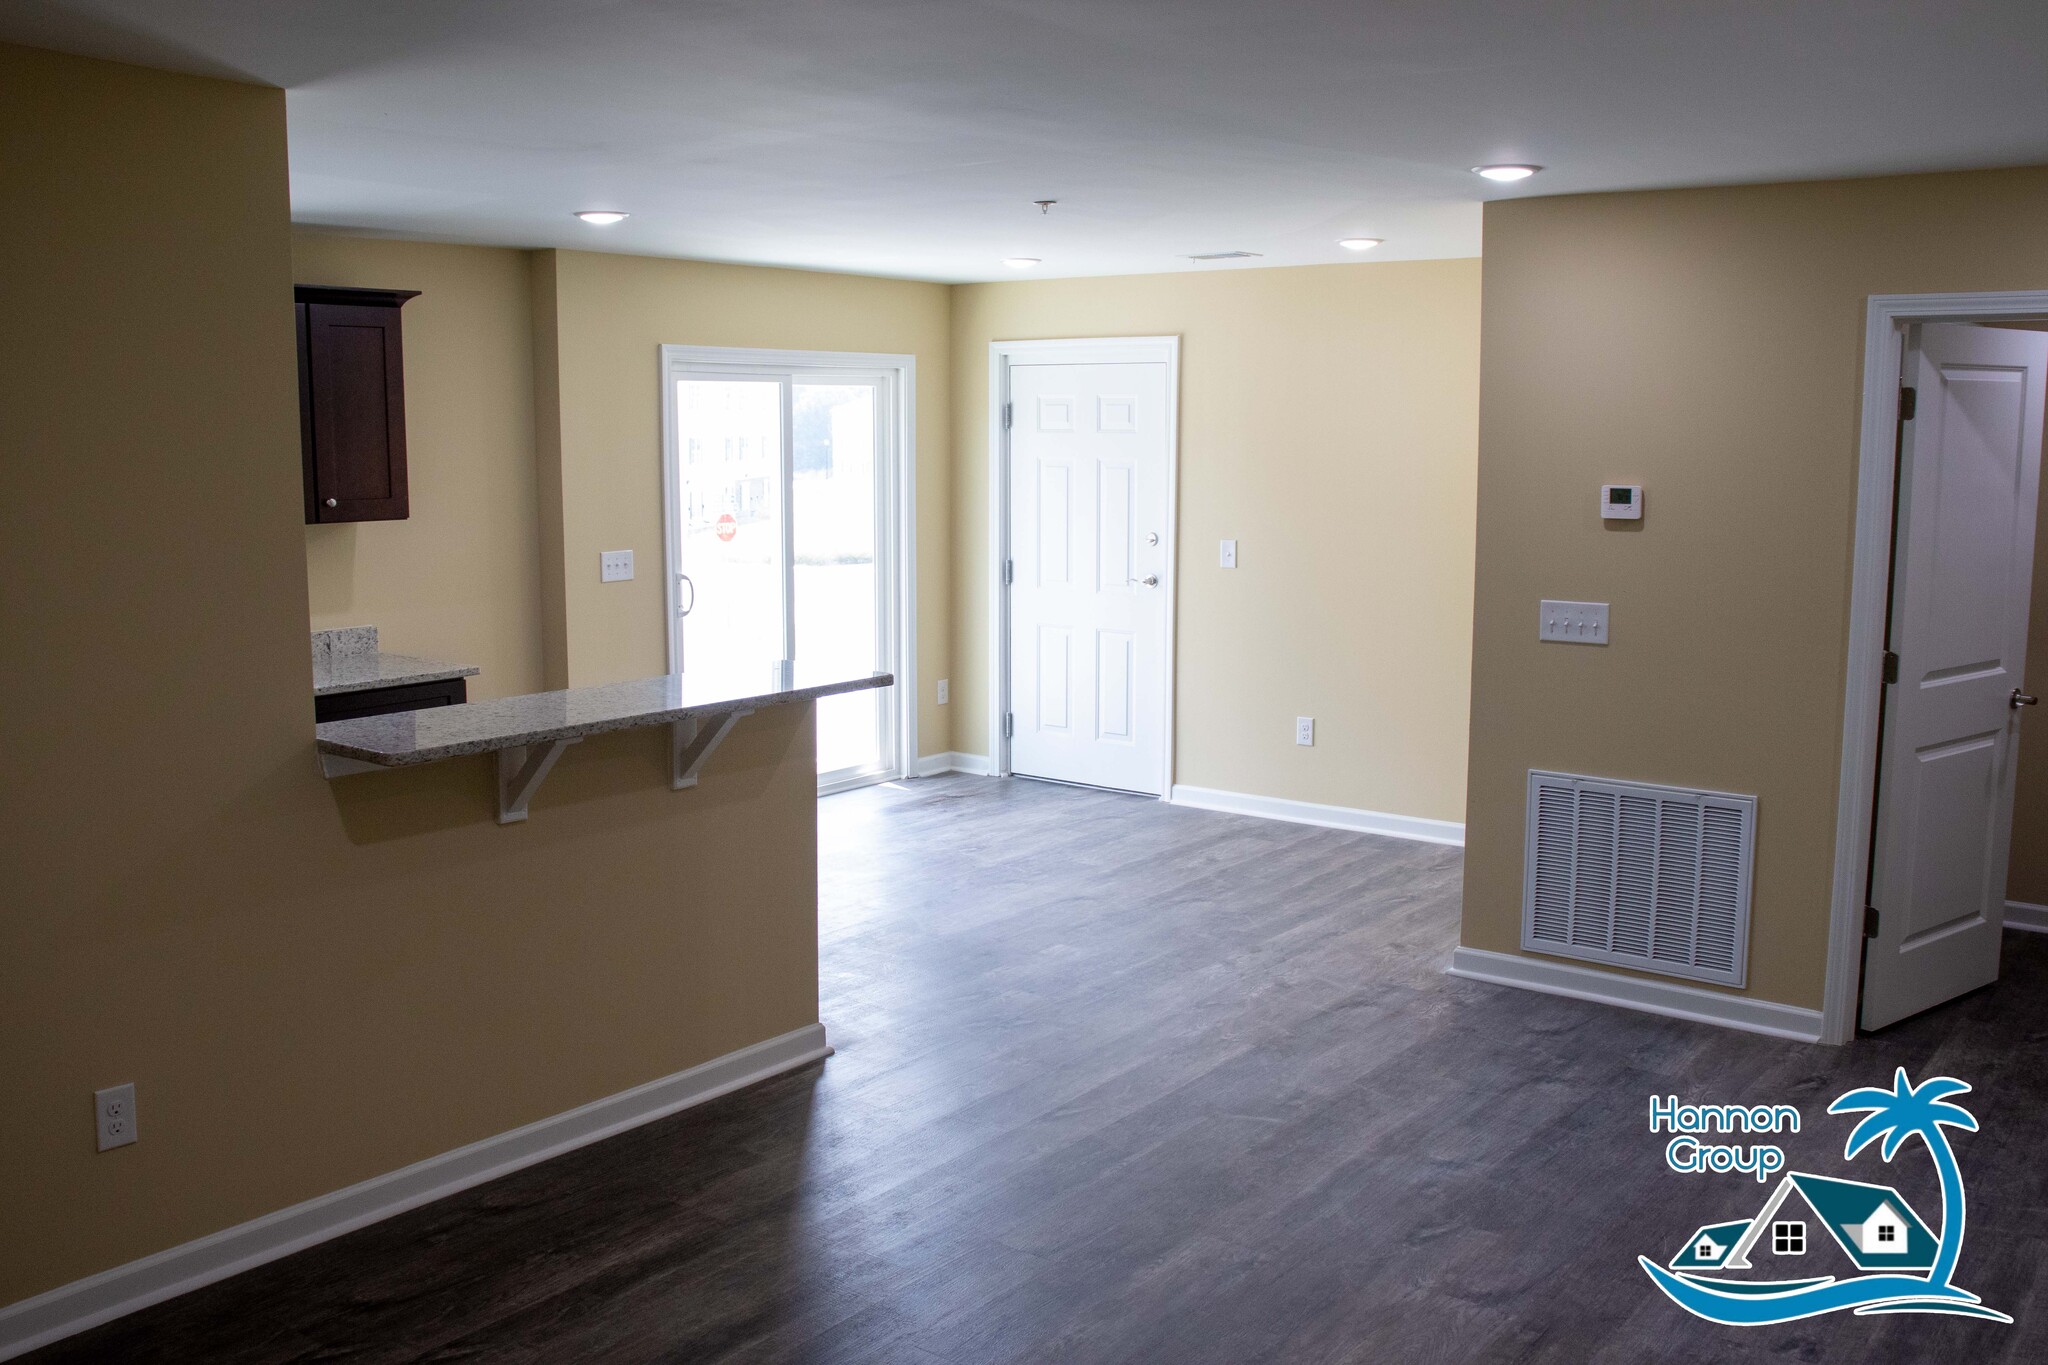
(352, 402)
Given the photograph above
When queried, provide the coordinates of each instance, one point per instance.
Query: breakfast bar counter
(528, 733)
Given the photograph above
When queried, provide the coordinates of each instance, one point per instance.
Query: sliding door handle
(683, 581)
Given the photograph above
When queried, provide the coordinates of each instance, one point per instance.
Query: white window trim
(1073, 351)
(1885, 321)
(898, 531)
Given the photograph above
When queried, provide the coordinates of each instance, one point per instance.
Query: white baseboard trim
(1668, 998)
(74, 1307)
(2026, 915)
(1330, 817)
(974, 765)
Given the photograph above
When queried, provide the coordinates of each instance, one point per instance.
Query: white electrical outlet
(945, 691)
(614, 566)
(1305, 730)
(1226, 554)
(1573, 623)
(114, 1112)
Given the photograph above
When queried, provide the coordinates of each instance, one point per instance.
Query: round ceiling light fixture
(1359, 243)
(1506, 174)
(602, 217)
(1020, 262)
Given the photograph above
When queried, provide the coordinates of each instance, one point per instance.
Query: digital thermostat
(1621, 501)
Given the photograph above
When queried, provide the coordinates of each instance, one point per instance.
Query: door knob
(1150, 580)
(2020, 699)
(332, 503)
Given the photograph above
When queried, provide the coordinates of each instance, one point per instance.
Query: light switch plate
(1226, 554)
(614, 566)
(1573, 623)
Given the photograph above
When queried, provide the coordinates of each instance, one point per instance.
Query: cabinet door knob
(332, 503)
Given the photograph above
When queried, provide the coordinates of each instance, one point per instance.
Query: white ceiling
(909, 137)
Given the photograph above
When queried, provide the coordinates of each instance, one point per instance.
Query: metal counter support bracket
(520, 772)
(691, 744)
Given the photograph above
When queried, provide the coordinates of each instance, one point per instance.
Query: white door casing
(1089, 606)
(1969, 480)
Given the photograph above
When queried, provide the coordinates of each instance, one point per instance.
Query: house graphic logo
(1872, 1250)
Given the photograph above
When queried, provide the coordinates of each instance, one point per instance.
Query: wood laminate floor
(1122, 1081)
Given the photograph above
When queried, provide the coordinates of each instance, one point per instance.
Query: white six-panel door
(1089, 489)
(1969, 480)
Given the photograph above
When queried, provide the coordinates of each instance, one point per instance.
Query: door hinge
(1009, 571)
(1909, 402)
(1006, 416)
(1009, 725)
(1891, 667)
(1870, 921)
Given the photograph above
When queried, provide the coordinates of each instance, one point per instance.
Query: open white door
(1969, 480)
(1090, 486)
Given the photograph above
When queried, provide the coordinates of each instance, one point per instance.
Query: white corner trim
(2026, 915)
(1330, 817)
(932, 765)
(86, 1303)
(1668, 998)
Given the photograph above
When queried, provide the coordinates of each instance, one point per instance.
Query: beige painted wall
(310, 983)
(602, 433)
(1708, 344)
(1328, 423)
(460, 578)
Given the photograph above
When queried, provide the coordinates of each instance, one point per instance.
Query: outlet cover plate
(114, 1113)
(1305, 731)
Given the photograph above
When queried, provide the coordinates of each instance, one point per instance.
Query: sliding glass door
(734, 563)
(786, 545)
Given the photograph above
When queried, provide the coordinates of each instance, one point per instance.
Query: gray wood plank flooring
(1121, 1081)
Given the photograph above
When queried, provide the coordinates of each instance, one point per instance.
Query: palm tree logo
(1905, 1111)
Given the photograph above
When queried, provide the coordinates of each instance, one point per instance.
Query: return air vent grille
(1655, 878)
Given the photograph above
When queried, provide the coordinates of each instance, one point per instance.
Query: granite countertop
(358, 673)
(410, 737)
(348, 660)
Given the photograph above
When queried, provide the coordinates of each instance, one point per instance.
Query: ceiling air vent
(1654, 878)
(1228, 256)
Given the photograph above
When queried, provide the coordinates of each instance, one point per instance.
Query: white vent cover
(1655, 878)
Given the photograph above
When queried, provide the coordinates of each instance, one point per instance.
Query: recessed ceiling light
(1020, 262)
(602, 217)
(1505, 173)
(1359, 243)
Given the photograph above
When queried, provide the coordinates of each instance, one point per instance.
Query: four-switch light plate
(1573, 623)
